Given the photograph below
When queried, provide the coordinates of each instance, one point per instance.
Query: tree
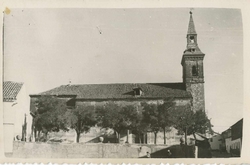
(134, 121)
(140, 127)
(81, 119)
(151, 115)
(165, 115)
(201, 123)
(130, 117)
(189, 122)
(112, 116)
(49, 116)
(183, 119)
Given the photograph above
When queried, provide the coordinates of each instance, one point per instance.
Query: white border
(244, 5)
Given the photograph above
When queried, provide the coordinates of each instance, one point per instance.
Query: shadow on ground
(175, 151)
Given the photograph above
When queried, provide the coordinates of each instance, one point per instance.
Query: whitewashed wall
(14, 114)
(216, 142)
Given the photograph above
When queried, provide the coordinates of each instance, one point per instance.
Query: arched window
(194, 71)
(191, 39)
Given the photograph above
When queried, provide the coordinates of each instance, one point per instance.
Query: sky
(46, 48)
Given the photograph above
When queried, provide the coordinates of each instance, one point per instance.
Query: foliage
(165, 118)
(158, 116)
(52, 115)
(202, 123)
(49, 116)
(189, 122)
(165, 113)
(112, 116)
(151, 116)
(81, 118)
(183, 119)
(134, 116)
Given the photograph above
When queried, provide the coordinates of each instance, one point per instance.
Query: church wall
(178, 102)
(197, 91)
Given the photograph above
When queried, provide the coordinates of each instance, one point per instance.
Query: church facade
(188, 92)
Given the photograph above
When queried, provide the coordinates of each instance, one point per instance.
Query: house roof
(120, 91)
(11, 90)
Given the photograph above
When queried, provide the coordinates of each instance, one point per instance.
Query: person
(183, 148)
(18, 138)
(181, 141)
(169, 153)
(148, 155)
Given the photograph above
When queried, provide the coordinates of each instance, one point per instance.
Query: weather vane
(191, 9)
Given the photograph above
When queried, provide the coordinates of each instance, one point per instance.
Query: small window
(137, 91)
(211, 140)
(71, 103)
(194, 71)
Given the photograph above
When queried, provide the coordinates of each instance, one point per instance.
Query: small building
(236, 143)
(232, 138)
(216, 142)
(16, 116)
(226, 139)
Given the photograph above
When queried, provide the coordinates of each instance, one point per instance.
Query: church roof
(191, 27)
(11, 90)
(120, 91)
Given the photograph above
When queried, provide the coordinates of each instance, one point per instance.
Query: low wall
(82, 150)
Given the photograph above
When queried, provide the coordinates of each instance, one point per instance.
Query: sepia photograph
(122, 83)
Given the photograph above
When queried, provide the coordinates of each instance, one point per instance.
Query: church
(190, 91)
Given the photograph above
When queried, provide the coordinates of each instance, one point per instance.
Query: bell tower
(192, 64)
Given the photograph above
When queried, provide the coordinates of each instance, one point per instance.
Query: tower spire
(192, 45)
(191, 27)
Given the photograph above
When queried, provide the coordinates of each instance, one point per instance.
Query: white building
(16, 116)
(216, 142)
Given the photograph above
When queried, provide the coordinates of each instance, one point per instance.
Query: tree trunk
(195, 147)
(155, 137)
(46, 136)
(144, 138)
(78, 136)
(164, 131)
(185, 142)
(35, 134)
(39, 135)
(32, 133)
(118, 137)
(127, 135)
(116, 133)
(185, 136)
(139, 135)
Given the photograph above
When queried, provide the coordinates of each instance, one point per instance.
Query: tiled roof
(120, 91)
(11, 90)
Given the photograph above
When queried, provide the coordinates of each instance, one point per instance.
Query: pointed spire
(192, 45)
(191, 27)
